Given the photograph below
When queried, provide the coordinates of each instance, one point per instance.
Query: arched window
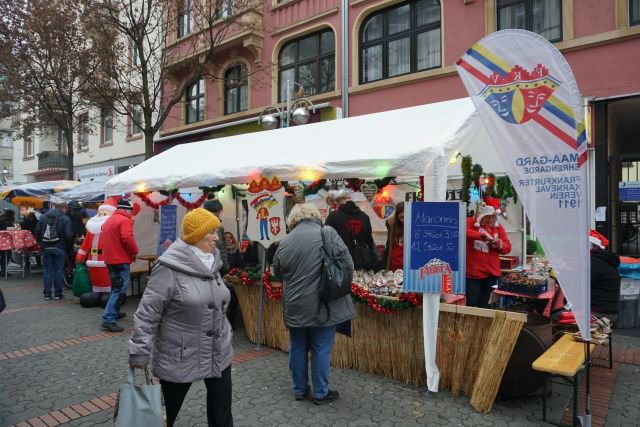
(195, 102)
(401, 39)
(310, 61)
(236, 89)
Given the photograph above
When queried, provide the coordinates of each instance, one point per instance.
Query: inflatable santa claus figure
(91, 249)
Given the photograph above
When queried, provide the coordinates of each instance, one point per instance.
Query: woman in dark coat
(605, 279)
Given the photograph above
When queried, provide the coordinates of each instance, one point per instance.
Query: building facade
(104, 144)
(402, 53)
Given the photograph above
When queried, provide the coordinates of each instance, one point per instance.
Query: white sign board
(89, 174)
(266, 222)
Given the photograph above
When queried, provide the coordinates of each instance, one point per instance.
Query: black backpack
(50, 236)
(335, 281)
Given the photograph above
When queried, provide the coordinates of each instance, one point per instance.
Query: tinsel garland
(153, 205)
(191, 205)
(354, 183)
(214, 189)
(358, 294)
(385, 305)
(188, 205)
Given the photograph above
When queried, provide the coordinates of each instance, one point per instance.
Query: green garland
(505, 189)
(388, 303)
(465, 166)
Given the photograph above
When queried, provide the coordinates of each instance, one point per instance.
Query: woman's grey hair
(338, 196)
(301, 212)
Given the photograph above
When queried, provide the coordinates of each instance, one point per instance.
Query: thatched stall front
(474, 345)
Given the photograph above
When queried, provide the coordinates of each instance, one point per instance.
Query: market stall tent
(406, 142)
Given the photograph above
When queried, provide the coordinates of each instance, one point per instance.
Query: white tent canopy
(403, 142)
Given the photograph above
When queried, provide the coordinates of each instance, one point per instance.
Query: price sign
(434, 242)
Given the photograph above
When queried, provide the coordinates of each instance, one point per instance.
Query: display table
(21, 241)
(549, 295)
(474, 345)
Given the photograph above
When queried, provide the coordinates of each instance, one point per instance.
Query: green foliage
(465, 166)
(531, 247)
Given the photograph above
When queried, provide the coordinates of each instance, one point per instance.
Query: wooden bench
(136, 276)
(564, 359)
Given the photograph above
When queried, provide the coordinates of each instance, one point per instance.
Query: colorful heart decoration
(369, 190)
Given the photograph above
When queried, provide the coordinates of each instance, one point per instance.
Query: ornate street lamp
(298, 111)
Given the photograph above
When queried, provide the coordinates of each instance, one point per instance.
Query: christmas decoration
(369, 190)
(191, 205)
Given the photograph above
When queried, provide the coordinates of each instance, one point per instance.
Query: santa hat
(598, 239)
(483, 209)
(493, 202)
(109, 205)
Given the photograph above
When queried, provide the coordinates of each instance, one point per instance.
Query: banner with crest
(266, 222)
(528, 100)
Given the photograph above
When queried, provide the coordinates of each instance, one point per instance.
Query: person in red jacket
(486, 241)
(120, 250)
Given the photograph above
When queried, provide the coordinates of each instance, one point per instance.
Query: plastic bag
(81, 282)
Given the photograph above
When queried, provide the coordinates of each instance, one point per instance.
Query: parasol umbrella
(90, 191)
(37, 189)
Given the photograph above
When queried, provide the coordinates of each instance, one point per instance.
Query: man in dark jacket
(54, 235)
(120, 250)
(354, 227)
(605, 279)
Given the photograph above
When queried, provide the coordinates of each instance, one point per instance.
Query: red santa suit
(91, 249)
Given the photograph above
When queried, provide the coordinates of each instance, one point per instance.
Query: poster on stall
(168, 227)
(435, 252)
(266, 222)
(528, 100)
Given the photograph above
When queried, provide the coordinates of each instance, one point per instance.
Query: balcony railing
(52, 160)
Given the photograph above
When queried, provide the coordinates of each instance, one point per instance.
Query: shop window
(236, 89)
(539, 16)
(634, 12)
(309, 61)
(401, 39)
(195, 102)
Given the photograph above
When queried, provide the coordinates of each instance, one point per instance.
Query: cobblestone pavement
(64, 361)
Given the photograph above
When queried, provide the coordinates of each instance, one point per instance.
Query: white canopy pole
(435, 189)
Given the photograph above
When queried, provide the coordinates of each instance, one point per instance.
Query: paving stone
(62, 380)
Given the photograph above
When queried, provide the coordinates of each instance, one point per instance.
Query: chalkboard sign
(434, 242)
(168, 225)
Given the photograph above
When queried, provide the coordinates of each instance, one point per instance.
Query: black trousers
(218, 399)
(478, 291)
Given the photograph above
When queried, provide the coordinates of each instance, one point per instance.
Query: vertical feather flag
(528, 100)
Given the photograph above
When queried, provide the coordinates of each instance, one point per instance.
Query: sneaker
(331, 396)
(121, 315)
(58, 297)
(306, 395)
(112, 327)
(47, 298)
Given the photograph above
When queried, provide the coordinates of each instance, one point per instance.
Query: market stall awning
(400, 142)
(37, 189)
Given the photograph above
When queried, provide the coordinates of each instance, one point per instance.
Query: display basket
(523, 284)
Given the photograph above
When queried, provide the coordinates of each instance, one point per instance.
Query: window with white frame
(195, 102)
(62, 141)
(135, 121)
(83, 132)
(106, 125)
(309, 61)
(634, 12)
(135, 54)
(185, 17)
(402, 39)
(539, 16)
(225, 8)
(236, 89)
(28, 144)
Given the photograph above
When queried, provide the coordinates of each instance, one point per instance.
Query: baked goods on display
(523, 283)
(381, 283)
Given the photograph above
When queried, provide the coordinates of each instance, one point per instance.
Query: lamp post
(297, 110)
